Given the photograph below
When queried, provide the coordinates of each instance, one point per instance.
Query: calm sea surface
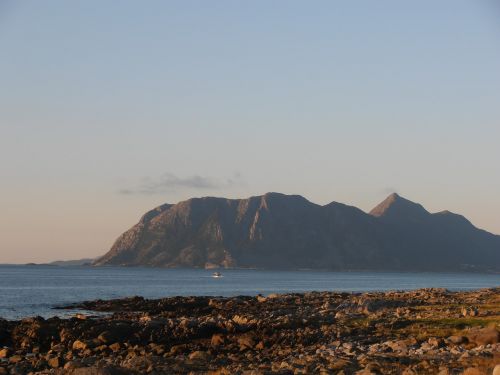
(35, 290)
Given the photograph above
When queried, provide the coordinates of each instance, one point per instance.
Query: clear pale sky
(110, 108)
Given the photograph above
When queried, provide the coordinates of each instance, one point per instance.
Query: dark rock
(116, 333)
(101, 371)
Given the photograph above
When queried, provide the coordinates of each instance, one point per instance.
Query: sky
(110, 108)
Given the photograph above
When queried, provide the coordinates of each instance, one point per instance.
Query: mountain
(280, 231)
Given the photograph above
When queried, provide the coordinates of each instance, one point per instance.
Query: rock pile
(414, 332)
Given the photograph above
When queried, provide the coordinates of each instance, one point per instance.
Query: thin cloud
(169, 182)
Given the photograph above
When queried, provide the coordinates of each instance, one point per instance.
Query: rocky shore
(429, 331)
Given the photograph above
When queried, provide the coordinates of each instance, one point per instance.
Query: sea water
(36, 290)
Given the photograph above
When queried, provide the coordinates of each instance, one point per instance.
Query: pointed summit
(396, 206)
(277, 231)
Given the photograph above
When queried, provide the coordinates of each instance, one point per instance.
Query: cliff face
(289, 232)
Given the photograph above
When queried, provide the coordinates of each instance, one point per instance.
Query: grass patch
(456, 306)
(447, 326)
(359, 322)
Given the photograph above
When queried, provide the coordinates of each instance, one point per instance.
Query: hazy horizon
(110, 109)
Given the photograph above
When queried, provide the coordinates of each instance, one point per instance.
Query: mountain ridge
(279, 231)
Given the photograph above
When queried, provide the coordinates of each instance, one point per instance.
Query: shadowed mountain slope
(289, 232)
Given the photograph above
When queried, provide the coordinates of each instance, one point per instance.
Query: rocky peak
(287, 231)
(395, 206)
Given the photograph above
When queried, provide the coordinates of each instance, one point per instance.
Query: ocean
(35, 290)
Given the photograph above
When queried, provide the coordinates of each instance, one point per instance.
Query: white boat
(217, 274)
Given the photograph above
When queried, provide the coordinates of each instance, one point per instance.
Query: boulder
(261, 298)
(369, 370)
(470, 311)
(80, 345)
(397, 346)
(200, 356)
(457, 339)
(473, 371)
(5, 353)
(435, 342)
(217, 340)
(246, 342)
(55, 362)
(484, 336)
(115, 333)
(178, 349)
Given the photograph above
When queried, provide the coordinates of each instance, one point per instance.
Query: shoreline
(423, 331)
